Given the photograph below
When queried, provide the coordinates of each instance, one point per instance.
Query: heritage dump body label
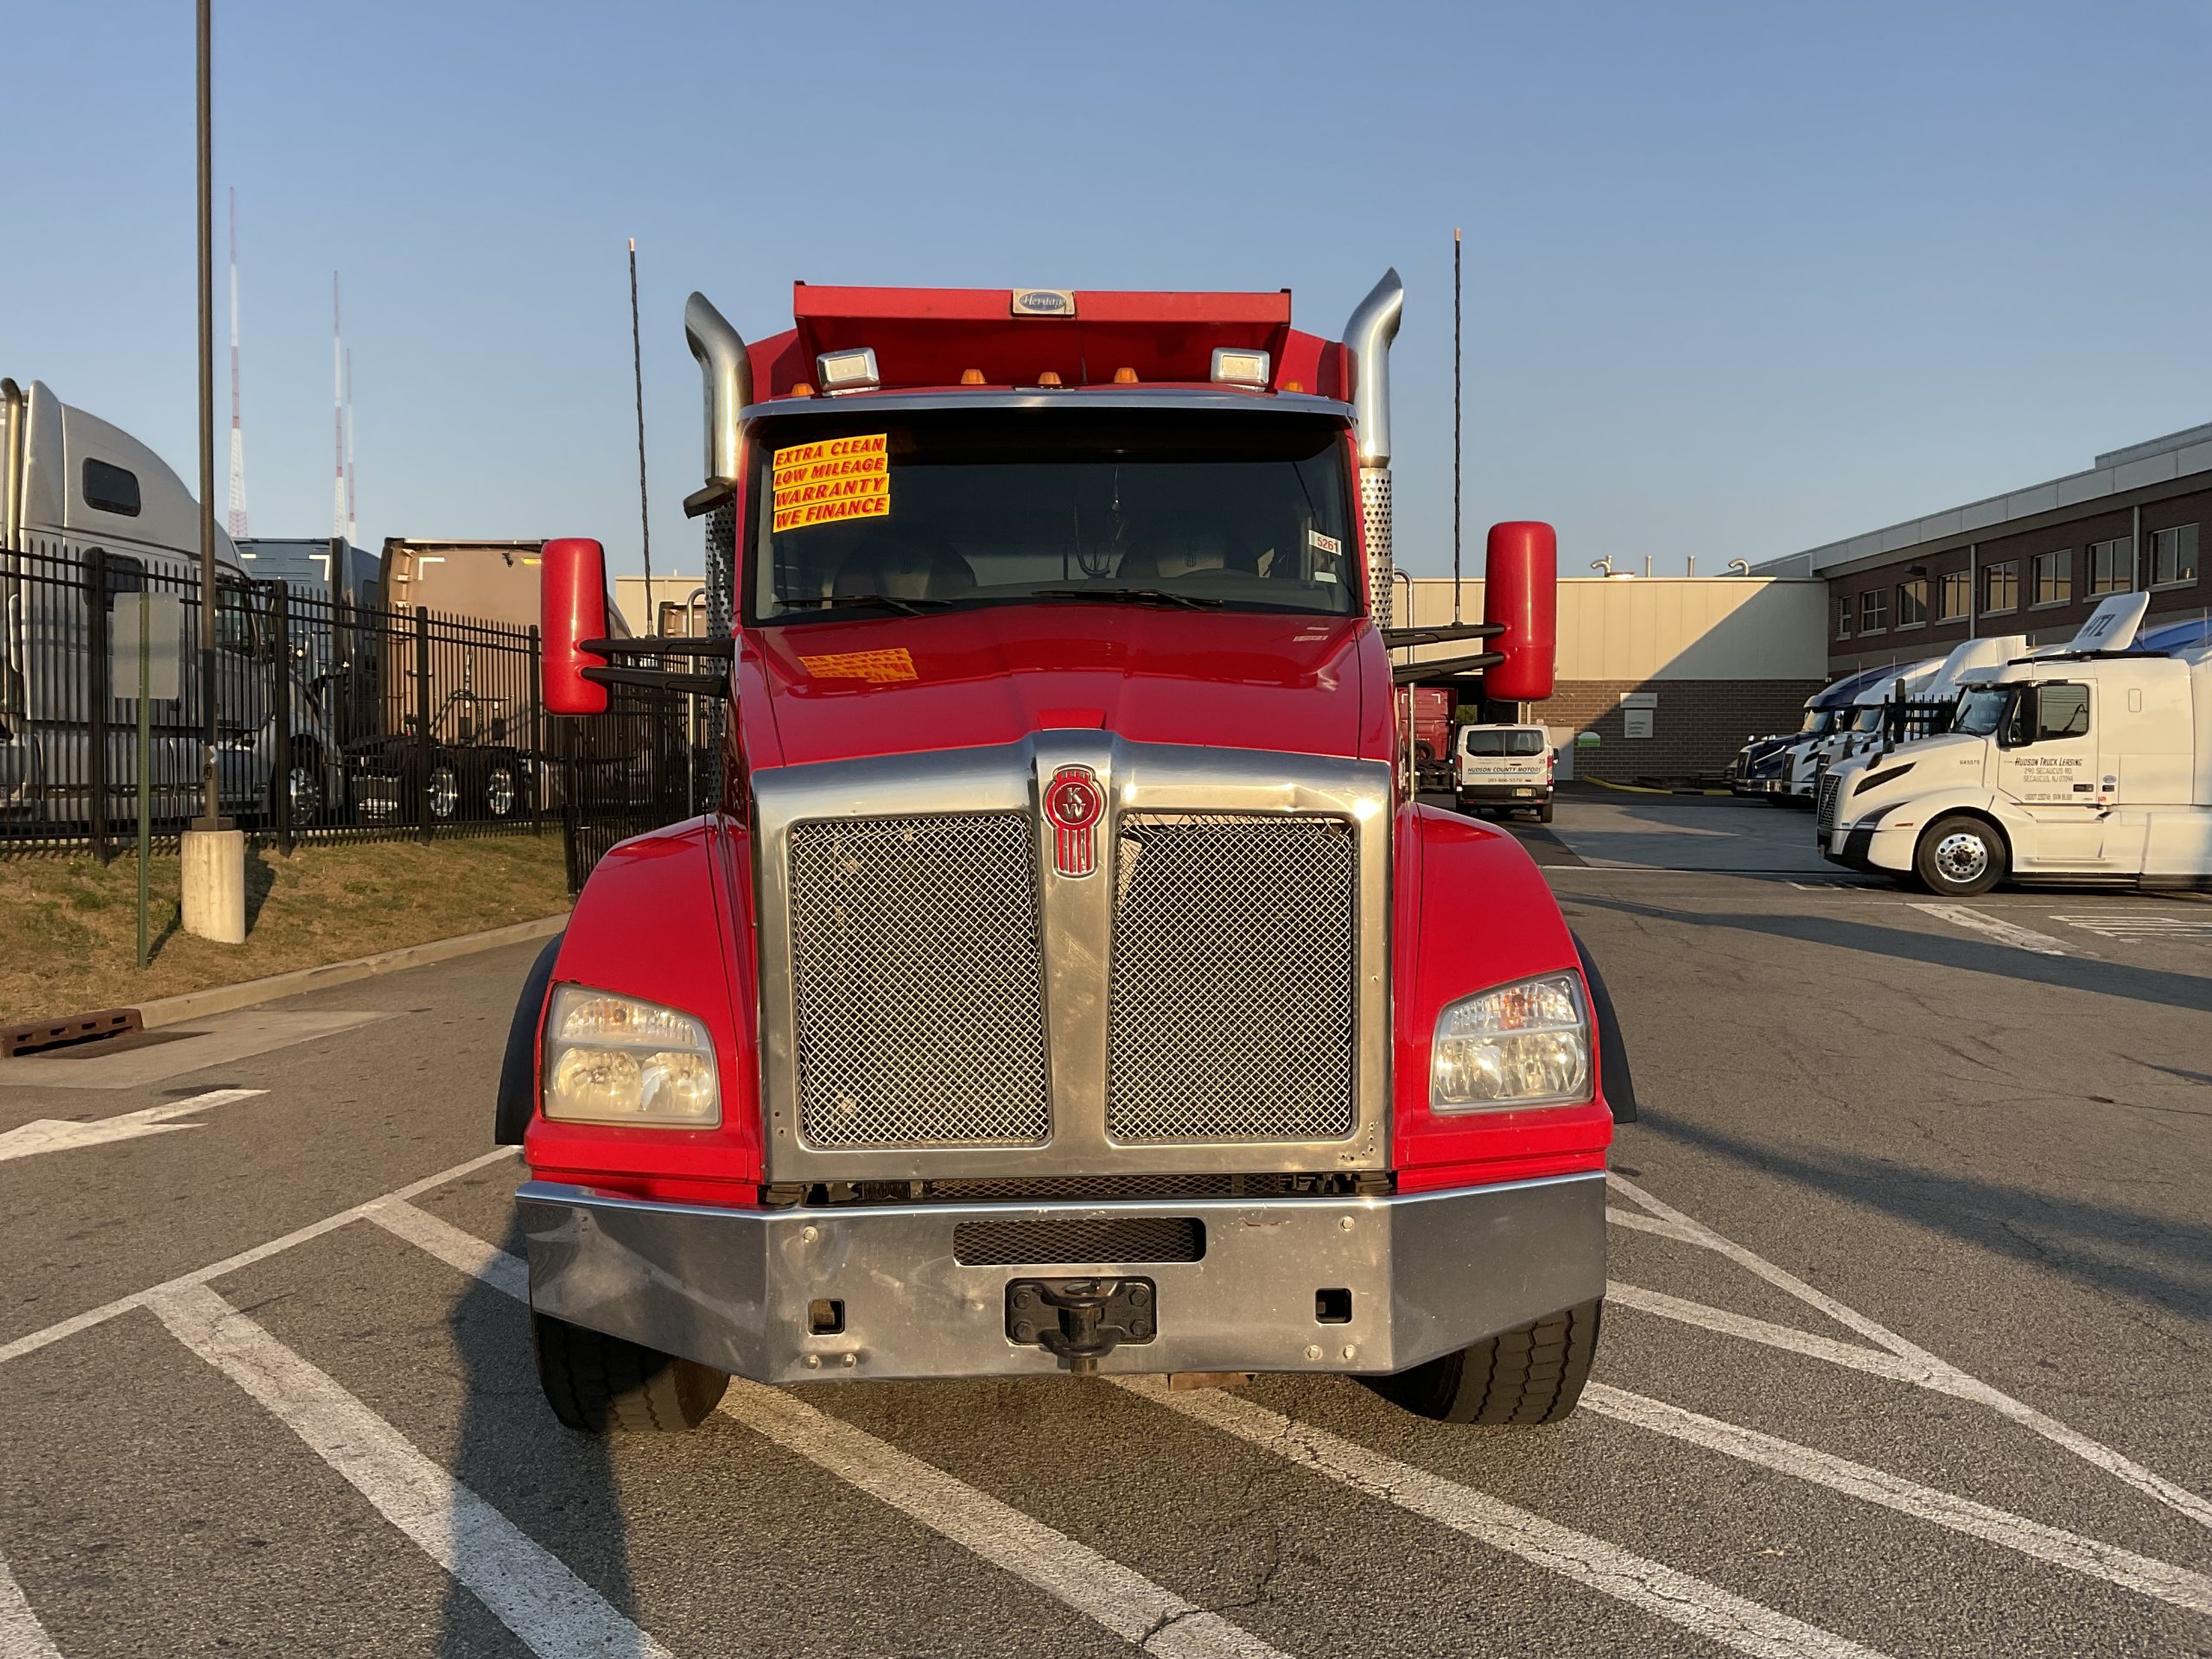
(829, 481)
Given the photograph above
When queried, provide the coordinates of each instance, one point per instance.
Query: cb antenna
(1455, 425)
(638, 380)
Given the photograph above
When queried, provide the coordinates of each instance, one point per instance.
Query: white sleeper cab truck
(2091, 765)
(1508, 767)
(88, 512)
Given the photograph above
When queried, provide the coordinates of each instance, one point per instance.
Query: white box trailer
(2089, 765)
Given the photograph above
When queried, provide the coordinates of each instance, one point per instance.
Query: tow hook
(1080, 1321)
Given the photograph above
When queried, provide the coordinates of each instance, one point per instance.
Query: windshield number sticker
(1327, 551)
(831, 480)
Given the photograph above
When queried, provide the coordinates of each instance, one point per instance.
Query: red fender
(668, 916)
(1473, 912)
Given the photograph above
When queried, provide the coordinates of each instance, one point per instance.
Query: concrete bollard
(214, 885)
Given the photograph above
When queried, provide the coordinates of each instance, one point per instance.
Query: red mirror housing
(1521, 591)
(573, 594)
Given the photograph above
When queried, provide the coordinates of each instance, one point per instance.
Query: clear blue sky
(1741, 277)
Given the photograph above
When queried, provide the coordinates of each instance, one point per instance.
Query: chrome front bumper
(1426, 1274)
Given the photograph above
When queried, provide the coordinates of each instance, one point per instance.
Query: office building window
(2108, 566)
(2173, 557)
(2000, 588)
(2052, 576)
(1952, 595)
(1843, 618)
(1874, 611)
(1912, 602)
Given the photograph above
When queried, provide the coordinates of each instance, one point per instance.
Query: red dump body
(1093, 900)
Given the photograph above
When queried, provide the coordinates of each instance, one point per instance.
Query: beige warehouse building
(1669, 674)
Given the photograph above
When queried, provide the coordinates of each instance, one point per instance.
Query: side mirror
(573, 594)
(2019, 730)
(1521, 593)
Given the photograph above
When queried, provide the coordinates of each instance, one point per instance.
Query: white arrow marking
(58, 1134)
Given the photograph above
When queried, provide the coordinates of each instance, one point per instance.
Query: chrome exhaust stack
(728, 372)
(1374, 324)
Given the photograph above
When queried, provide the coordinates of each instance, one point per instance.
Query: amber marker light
(1125, 377)
(1048, 379)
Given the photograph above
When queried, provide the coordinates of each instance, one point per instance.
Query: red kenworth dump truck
(1067, 979)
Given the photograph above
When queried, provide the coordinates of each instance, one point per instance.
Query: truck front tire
(1532, 1373)
(595, 1383)
(1960, 856)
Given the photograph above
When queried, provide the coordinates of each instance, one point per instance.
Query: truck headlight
(613, 1059)
(1524, 1044)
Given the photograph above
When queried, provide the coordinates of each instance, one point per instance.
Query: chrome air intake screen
(915, 962)
(1234, 978)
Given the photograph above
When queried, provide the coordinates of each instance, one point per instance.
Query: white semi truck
(78, 495)
(2089, 764)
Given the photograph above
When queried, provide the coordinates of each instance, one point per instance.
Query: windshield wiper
(1131, 596)
(868, 601)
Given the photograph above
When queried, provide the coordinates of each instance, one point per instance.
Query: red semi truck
(1067, 980)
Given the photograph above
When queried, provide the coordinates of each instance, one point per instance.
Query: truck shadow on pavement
(2159, 1259)
(559, 1488)
(2069, 973)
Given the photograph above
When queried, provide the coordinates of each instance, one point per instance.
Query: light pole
(213, 878)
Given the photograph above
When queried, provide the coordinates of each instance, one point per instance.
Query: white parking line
(1719, 1614)
(2020, 938)
(2159, 1579)
(1102, 1590)
(21, 1637)
(1944, 1377)
(2129, 925)
(1874, 1362)
(528, 1589)
(86, 1321)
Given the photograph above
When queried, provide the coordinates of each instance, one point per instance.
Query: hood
(966, 679)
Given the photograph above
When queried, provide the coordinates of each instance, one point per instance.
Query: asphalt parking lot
(1908, 1349)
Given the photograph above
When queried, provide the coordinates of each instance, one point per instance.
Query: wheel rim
(499, 792)
(305, 787)
(1961, 856)
(445, 792)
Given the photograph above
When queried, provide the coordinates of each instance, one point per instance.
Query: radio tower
(337, 412)
(353, 523)
(237, 433)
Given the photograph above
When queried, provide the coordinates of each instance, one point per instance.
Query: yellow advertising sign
(833, 480)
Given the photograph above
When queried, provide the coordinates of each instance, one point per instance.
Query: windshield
(1819, 722)
(899, 512)
(1509, 743)
(1868, 719)
(1982, 709)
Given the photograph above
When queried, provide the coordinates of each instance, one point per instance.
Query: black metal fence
(332, 721)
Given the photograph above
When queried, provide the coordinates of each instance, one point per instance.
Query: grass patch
(69, 928)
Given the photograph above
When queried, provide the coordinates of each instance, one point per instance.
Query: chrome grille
(1824, 807)
(916, 969)
(1233, 979)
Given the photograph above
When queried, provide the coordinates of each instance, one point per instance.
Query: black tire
(495, 791)
(1533, 1374)
(1544, 813)
(1960, 856)
(595, 1383)
(305, 778)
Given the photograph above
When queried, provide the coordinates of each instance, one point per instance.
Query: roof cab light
(614, 1059)
(1524, 1044)
(853, 371)
(1236, 366)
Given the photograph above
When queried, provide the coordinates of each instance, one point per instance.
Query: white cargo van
(2089, 764)
(1506, 766)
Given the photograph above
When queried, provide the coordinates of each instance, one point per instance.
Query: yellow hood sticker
(881, 666)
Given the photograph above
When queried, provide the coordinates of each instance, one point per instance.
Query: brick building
(2033, 561)
(1669, 674)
